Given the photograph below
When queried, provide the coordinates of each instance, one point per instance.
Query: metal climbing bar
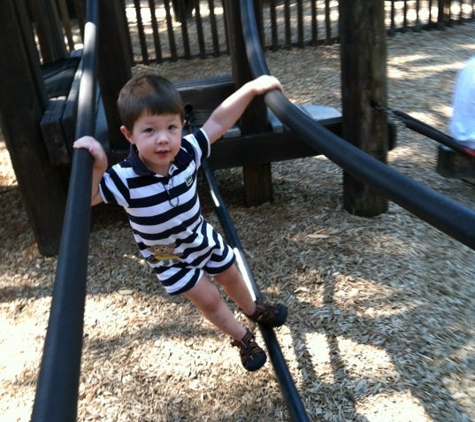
(441, 212)
(289, 391)
(58, 383)
(432, 133)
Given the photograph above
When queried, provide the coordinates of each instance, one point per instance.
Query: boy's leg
(231, 280)
(235, 287)
(206, 297)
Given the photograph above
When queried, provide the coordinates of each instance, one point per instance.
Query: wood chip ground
(381, 311)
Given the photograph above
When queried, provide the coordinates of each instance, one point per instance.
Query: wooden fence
(168, 30)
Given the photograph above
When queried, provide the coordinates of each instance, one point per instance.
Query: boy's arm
(99, 167)
(231, 109)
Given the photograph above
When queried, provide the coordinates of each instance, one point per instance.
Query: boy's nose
(162, 138)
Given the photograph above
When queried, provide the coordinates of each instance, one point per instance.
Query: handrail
(289, 391)
(441, 212)
(58, 383)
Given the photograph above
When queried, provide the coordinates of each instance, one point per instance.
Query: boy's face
(157, 138)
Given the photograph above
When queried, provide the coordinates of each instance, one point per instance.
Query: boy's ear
(126, 133)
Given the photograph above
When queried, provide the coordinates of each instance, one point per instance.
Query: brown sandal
(252, 356)
(273, 315)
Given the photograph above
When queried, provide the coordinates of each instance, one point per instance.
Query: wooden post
(363, 74)
(446, 13)
(257, 179)
(22, 103)
(50, 33)
(114, 65)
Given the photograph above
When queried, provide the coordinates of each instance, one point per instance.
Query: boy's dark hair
(148, 93)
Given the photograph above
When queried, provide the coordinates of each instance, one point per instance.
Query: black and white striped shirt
(163, 211)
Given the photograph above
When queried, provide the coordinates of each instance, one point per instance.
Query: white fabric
(462, 124)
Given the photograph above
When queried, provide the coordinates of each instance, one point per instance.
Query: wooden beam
(50, 33)
(22, 102)
(453, 165)
(256, 149)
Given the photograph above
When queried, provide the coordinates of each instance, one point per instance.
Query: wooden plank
(58, 76)
(52, 131)
(205, 93)
(64, 12)
(68, 118)
(50, 33)
(258, 149)
(59, 119)
(453, 165)
(255, 149)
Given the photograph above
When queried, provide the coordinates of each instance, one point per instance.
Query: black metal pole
(432, 133)
(289, 391)
(58, 383)
(441, 212)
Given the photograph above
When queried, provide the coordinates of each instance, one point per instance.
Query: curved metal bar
(289, 391)
(58, 383)
(441, 212)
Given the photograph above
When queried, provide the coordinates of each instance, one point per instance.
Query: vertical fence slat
(300, 23)
(141, 31)
(288, 31)
(155, 31)
(180, 5)
(127, 29)
(274, 32)
(214, 29)
(199, 30)
(170, 32)
(314, 23)
(432, 17)
(328, 23)
(392, 29)
(418, 16)
(63, 11)
(80, 12)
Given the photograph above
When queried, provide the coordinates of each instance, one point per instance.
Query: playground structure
(300, 123)
(46, 124)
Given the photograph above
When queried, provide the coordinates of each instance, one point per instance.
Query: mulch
(381, 311)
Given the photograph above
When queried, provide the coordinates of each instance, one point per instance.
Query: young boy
(157, 187)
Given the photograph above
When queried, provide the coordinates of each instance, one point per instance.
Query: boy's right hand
(94, 148)
(100, 164)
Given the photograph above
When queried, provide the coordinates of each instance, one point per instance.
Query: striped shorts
(179, 277)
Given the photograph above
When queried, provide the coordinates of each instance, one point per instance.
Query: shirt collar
(141, 169)
(137, 164)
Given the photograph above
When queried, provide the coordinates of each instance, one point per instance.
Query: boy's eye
(172, 127)
(148, 130)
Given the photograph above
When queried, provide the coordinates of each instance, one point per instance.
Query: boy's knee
(212, 300)
(229, 276)
(205, 295)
